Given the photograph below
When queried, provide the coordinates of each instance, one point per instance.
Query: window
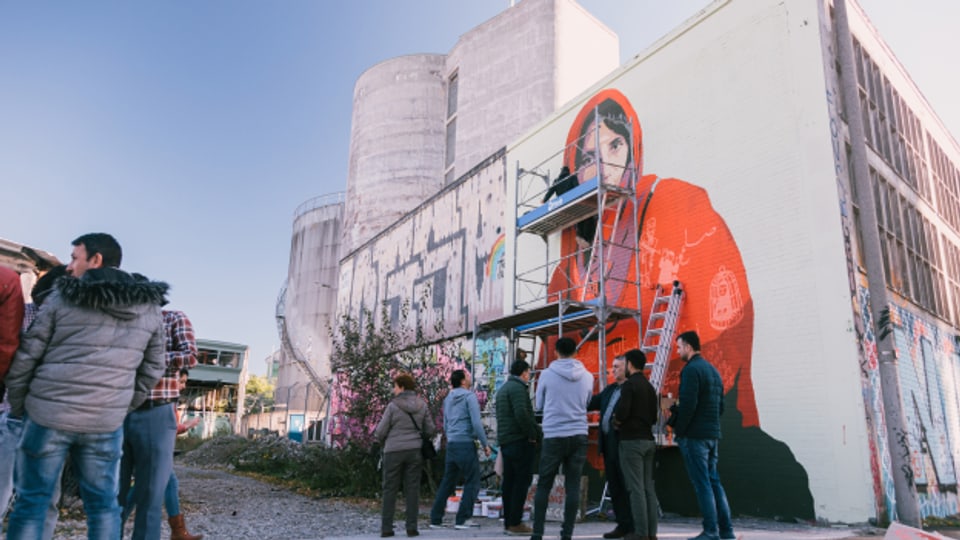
(450, 155)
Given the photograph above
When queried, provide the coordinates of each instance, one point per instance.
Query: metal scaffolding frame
(538, 312)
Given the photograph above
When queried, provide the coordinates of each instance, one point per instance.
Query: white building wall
(734, 102)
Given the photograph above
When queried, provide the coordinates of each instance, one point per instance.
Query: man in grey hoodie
(93, 353)
(461, 423)
(563, 391)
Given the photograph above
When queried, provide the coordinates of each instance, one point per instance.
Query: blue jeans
(10, 431)
(171, 499)
(461, 461)
(40, 457)
(571, 452)
(700, 457)
(11, 428)
(517, 474)
(149, 436)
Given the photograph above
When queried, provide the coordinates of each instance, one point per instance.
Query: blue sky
(192, 130)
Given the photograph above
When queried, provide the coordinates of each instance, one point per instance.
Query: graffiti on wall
(445, 258)
(880, 462)
(928, 387)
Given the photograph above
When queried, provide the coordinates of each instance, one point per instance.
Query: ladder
(661, 325)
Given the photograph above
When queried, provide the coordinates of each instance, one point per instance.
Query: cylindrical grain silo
(397, 143)
(309, 305)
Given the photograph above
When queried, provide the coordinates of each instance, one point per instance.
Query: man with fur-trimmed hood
(94, 352)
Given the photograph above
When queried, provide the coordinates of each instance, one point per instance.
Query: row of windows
(947, 180)
(910, 249)
(895, 133)
(953, 276)
(891, 127)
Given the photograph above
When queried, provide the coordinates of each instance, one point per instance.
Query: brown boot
(178, 529)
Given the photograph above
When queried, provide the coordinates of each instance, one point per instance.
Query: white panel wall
(734, 102)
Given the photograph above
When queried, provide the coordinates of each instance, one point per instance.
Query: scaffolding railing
(590, 285)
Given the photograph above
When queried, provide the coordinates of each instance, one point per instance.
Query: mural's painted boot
(178, 529)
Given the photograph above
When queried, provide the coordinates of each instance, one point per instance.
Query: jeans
(40, 457)
(571, 452)
(517, 474)
(11, 429)
(405, 466)
(149, 436)
(700, 457)
(461, 461)
(636, 461)
(171, 499)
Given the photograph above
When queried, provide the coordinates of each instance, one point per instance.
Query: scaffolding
(579, 291)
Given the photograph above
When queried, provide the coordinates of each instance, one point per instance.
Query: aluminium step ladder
(661, 326)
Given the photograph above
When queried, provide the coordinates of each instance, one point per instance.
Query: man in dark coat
(609, 446)
(697, 430)
(517, 433)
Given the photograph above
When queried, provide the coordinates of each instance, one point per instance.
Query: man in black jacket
(698, 436)
(636, 414)
(609, 446)
(517, 433)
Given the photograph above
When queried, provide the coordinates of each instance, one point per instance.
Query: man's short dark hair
(457, 377)
(104, 244)
(691, 338)
(519, 367)
(185, 371)
(405, 381)
(565, 347)
(636, 358)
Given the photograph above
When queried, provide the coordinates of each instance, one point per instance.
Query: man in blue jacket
(461, 423)
(563, 391)
(697, 431)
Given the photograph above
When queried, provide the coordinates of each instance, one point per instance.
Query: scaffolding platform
(568, 208)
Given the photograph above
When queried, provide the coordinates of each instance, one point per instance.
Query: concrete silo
(396, 143)
(307, 308)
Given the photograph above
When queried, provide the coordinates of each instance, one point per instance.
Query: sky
(192, 130)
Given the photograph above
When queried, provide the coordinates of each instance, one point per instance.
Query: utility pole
(905, 490)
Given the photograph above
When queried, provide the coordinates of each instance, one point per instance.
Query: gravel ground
(222, 505)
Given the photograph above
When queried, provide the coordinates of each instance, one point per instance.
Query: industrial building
(215, 388)
(305, 313)
(739, 146)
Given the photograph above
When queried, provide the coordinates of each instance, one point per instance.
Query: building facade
(737, 148)
(422, 121)
(216, 388)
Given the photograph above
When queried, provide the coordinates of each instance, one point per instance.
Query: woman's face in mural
(614, 154)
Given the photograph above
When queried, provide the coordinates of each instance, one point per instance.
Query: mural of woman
(681, 237)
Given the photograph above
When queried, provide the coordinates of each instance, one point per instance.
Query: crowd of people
(628, 409)
(91, 371)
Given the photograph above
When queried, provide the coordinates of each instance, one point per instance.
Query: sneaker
(728, 536)
(466, 525)
(520, 529)
(704, 536)
(437, 526)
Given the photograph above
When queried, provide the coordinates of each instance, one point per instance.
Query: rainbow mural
(495, 260)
